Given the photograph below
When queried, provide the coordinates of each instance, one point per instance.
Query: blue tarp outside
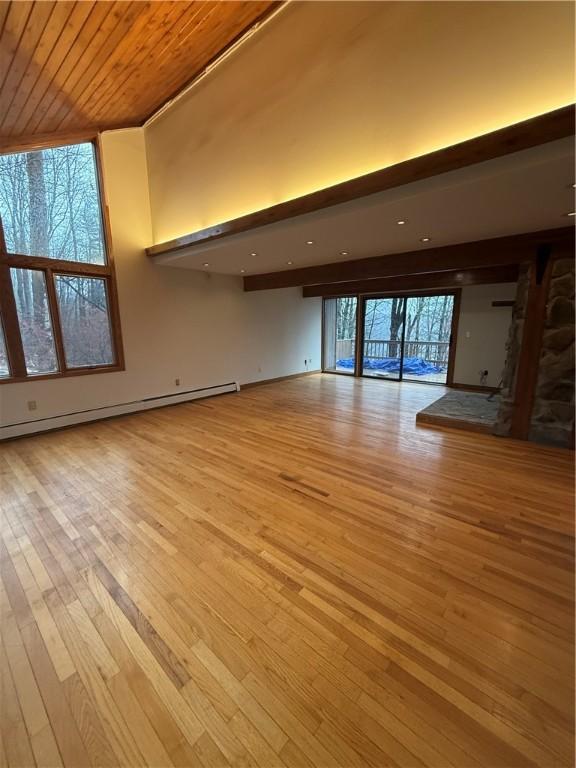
(413, 365)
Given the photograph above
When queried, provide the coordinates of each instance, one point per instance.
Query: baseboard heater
(94, 414)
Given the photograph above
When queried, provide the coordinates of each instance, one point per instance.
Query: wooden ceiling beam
(530, 133)
(507, 273)
(493, 252)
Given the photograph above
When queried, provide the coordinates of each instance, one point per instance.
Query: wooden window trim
(56, 265)
(52, 268)
(12, 338)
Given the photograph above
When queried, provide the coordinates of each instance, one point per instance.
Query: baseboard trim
(278, 378)
(473, 387)
(21, 429)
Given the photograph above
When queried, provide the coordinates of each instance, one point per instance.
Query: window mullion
(114, 318)
(21, 261)
(55, 317)
(11, 326)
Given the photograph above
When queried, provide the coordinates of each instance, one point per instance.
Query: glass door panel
(383, 333)
(427, 338)
(339, 338)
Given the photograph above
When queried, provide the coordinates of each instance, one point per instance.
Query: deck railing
(344, 348)
(435, 352)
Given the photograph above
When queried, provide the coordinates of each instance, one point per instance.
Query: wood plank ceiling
(70, 67)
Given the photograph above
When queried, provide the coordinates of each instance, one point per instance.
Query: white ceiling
(522, 192)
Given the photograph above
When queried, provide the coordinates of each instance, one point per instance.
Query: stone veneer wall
(552, 419)
(553, 412)
(513, 345)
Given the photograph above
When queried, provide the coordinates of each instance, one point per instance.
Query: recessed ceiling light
(253, 253)
(343, 253)
(424, 239)
(242, 271)
(401, 221)
(309, 242)
(205, 264)
(289, 263)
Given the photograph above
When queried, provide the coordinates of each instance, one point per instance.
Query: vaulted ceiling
(68, 67)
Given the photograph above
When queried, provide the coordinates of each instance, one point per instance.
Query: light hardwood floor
(291, 576)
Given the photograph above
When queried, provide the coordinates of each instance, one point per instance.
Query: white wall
(482, 333)
(328, 91)
(200, 328)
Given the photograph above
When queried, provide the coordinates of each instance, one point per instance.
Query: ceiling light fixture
(242, 271)
(309, 242)
(401, 221)
(253, 253)
(343, 253)
(289, 263)
(424, 239)
(205, 264)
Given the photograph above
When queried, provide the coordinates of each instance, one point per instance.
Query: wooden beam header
(411, 283)
(494, 252)
(530, 133)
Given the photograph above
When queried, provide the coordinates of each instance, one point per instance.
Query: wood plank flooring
(291, 576)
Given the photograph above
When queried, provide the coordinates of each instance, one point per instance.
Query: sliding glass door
(401, 337)
(407, 337)
(339, 337)
(427, 338)
(383, 335)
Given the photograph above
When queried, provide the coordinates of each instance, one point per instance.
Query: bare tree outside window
(346, 317)
(339, 332)
(35, 321)
(83, 307)
(61, 313)
(50, 206)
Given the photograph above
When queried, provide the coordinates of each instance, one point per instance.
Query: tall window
(58, 308)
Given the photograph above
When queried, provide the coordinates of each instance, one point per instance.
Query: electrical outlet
(32, 405)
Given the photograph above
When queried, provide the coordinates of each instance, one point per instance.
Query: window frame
(51, 268)
(362, 297)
